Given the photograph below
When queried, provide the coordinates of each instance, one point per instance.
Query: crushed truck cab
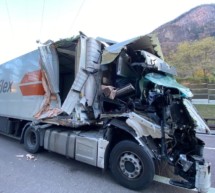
(113, 105)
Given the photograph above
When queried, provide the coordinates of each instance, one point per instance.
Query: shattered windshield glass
(168, 81)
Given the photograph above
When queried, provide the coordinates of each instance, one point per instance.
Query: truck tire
(32, 140)
(131, 165)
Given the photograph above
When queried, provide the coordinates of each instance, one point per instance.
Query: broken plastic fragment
(30, 157)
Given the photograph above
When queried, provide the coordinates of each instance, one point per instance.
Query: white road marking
(211, 148)
(207, 135)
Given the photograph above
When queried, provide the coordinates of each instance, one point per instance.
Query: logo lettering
(5, 86)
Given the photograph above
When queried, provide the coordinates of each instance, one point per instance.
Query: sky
(23, 22)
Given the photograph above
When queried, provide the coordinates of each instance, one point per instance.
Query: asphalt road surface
(52, 173)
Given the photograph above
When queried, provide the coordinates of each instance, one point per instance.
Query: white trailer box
(34, 86)
(21, 88)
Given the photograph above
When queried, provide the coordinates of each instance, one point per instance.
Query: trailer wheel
(131, 165)
(32, 140)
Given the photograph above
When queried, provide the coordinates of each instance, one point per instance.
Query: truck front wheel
(32, 140)
(131, 165)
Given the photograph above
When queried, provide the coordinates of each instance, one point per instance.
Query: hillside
(195, 24)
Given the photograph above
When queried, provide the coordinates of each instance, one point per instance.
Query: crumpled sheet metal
(148, 42)
(46, 110)
(50, 63)
(144, 127)
(201, 126)
(68, 121)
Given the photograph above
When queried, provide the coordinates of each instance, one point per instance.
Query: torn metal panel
(88, 75)
(48, 113)
(143, 127)
(201, 126)
(156, 45)
(149, 43)
(138, 128)
(117, 48)
(154, 62)
(80, 79)
(80, 60)
(90, 89)
(107, 41)
(108, 57)
(93, 55)
(70, 102)
(169, 82)
(93, 59)
(50, 106)
(67, 121)
(51, 65)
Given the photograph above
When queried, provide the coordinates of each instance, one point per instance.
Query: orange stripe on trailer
(32, 89)
(32, 77)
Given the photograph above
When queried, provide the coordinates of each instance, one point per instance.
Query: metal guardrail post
(208, 95)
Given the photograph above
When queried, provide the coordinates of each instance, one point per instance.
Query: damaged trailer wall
(29, 85)
(21, 89)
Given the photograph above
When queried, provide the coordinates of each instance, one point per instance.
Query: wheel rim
(130, 165)
(32, 138)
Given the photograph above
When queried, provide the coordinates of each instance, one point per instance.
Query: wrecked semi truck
(112, 105)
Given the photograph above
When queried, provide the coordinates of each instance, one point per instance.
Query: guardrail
(203, 91)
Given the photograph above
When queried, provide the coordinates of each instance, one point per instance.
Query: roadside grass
(206, 111)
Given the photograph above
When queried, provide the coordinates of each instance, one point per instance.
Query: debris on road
(19, 156)
(30, 157)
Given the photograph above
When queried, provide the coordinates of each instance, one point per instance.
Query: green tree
(195, 59)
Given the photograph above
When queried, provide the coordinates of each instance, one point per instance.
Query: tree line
(195, 61)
